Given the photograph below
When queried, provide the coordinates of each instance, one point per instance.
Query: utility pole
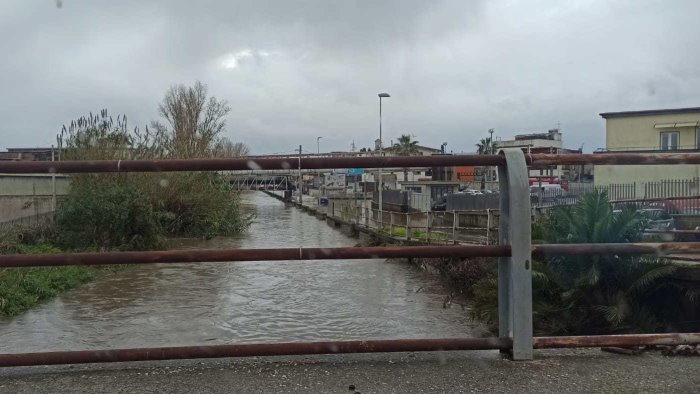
(53, 182)
(299, 186)
(492, 148)
(381, 154)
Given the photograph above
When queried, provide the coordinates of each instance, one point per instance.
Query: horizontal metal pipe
(226, 255)
(84, 166)
(656, 199)
(616, 340)
(335, 347)
(254, 163)
(233, 255)
(546, 159)
(251, 350)
(647, 248)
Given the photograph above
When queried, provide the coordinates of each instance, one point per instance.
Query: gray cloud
(294, 70)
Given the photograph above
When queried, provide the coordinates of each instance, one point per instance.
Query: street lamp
(318, 151)
(381, 153)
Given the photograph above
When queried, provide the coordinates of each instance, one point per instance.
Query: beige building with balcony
(662, 130)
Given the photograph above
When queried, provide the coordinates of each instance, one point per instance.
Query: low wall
(24, 195)
(16, 207)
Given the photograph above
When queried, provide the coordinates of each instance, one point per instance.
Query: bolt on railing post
(515, 272)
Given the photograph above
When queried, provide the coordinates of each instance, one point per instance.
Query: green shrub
(193, 204)
(107, 212)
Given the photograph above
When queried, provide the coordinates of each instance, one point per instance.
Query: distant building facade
(660, 130)
(550, 142)
(28, 154)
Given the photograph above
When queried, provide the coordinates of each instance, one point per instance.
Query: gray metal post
(53, 183)
(299, 182)
(515, 272)
(454, 227)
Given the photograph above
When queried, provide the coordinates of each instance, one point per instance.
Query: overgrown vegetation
(131, 211)
(400, 231)
(597, 294)
(136, 210)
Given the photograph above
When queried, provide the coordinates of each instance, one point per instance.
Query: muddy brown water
(189, 304)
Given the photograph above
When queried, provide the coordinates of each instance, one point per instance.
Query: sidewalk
(553, 371)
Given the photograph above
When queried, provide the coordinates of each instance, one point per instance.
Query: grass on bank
(401, 232)
(23, 288)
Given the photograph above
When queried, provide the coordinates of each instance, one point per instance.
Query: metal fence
(672, 188)
(515, 253)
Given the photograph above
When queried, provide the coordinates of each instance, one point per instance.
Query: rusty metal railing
(514, 251)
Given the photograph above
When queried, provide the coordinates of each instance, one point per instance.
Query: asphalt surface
(553, 371)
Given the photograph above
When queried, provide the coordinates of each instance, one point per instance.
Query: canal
(213, 303)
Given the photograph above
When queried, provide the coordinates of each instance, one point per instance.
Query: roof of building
(650, 112)
(418, 147)
(35, 149)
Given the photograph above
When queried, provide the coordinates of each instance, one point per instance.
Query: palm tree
(485, 146)
(406, 146)
(606, 293)
(597, 294)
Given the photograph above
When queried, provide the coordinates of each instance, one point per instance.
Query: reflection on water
(185, 304)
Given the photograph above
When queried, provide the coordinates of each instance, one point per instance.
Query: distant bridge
(263, 182)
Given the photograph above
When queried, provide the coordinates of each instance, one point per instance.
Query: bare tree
(226, 148)
(195, 121)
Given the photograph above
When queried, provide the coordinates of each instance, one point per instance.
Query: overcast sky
(295, 70)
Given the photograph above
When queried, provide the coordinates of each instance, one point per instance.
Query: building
(28, 154)
(549, 142)
(660, 130)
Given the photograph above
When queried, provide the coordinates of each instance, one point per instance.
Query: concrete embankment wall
(29, 195)
(366, 236)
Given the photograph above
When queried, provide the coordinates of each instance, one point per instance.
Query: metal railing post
(488, 226)
(514, 273)
(391, 224)
(407, 225)
(427, 226)
(454, 227)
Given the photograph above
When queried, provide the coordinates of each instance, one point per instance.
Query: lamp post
(381, 153)
(492, 148)
(318, 152)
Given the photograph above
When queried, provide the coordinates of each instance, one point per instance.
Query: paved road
(553, 371)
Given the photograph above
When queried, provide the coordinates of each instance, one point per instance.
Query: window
(669, 140)
(697, 138)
